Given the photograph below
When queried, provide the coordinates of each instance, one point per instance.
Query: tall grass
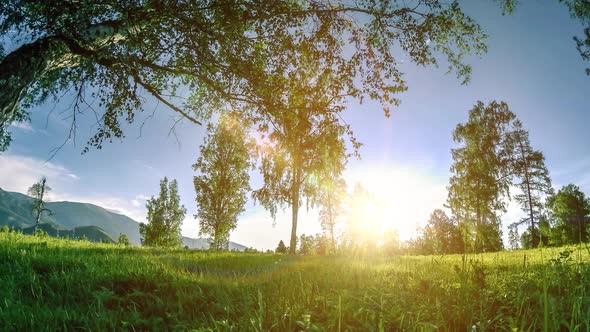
(52, 284)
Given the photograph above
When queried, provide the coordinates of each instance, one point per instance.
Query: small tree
(223, 181)
(513, 236)
(570, 209)
(38, 191)
(123, 240)
(281, 248)
(165, 215)
(331, 199)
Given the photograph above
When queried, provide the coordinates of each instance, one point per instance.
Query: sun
(399, 199)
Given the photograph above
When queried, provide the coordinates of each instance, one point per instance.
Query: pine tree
(528, 165)
(165, 216)
(281, 248)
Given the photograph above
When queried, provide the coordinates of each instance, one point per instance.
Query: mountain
(92, 233)
(204, 243)
(80, 219)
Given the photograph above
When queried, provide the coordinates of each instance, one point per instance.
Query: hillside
(91, 233)
(74, 218)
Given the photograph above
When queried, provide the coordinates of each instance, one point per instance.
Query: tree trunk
(22, 67)
(534, 237)
(294, 210)
(40, 206)
(294, 213)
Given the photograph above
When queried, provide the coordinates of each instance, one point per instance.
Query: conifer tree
(532, 178)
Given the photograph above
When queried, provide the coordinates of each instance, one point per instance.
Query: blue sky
(532, 64)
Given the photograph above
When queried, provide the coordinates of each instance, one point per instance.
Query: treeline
(493, 164)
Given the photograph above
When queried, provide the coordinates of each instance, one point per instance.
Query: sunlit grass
(51, 284)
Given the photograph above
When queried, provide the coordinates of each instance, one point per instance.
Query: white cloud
(25, 126)
(18, 173)
(139, 200)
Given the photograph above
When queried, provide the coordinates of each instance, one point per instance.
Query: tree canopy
(532, 179)
(570, 210)
(481, 175)
(164, 216)
(38, 191)
(223, 180)
(237, 52)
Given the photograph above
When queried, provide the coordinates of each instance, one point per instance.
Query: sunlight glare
(402, 198)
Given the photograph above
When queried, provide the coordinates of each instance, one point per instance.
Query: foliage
(528, 166)
(117, 52)
(332, 198)
(580, 9)
(223, 180)
(165, 216)
(303, 140)
(56, 284)
(570, 211)
(38, 192)
(123, 240)
(481, 175)
(441, 235)
(281, 248)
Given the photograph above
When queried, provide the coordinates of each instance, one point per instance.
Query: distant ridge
(92, 233)
(97, 223)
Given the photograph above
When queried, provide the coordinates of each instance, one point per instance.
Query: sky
(531, 63)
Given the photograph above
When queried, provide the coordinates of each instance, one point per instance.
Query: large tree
(481, 174)
(38, 192)
(117, 52)
(532, 178)
(223, 181)
(303, 139)
(165, 216)
(570, 210)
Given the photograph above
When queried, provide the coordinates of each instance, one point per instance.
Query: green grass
(54, 284)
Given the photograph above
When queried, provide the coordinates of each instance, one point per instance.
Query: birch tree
(481, 174)
(222, 184)
(38, 192)
(165, 216)
(113, 56)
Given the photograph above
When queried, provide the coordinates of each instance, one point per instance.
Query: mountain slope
(92, 233)
(67, 217)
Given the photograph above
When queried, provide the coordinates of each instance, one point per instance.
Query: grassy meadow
(55, 284)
